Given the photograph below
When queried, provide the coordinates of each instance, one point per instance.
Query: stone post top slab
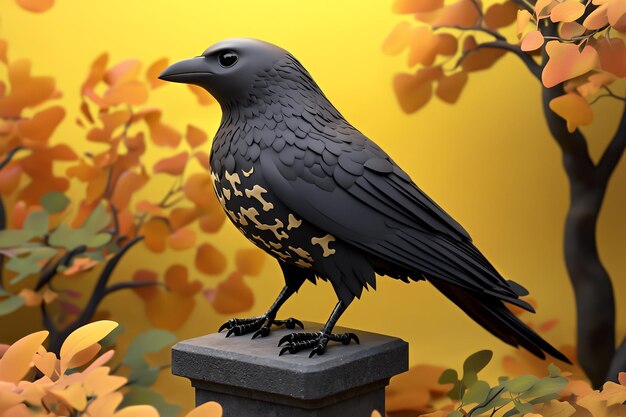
(255, 364)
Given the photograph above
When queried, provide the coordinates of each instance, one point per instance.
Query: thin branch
(473, 28)
(485, 402)
(7, 158)
(48, 273)
(526, 5)
(129, 284)
(531, 64)
(615, 150)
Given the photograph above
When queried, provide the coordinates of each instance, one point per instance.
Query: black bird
(304, 185)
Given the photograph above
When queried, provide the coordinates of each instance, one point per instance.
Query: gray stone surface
(249, 378)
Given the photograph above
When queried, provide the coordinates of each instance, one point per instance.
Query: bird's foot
(259, 325)
(295, 342)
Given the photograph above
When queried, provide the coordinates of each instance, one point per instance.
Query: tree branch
(527, 59)
(473, 28)
(128, 284)
(618, 364)
(9, 156)
(48, 273)
(614, 151)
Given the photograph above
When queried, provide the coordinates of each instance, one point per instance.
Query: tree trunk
(595, 302)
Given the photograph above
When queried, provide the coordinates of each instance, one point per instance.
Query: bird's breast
(267, 222)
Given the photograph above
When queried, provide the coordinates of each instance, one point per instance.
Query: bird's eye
(227, 59)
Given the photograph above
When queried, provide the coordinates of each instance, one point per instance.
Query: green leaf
(15, 237)
(10, 304)
(455, 413)
(54, 202)
(145, 376)
(521, 383)
(449, 376)
(138, 395)
(109, 340)
(30, 264)
(546, 398)
(477, 393)
(477, 362)
(523, 408)
(37, 223)
(496, 401)
(147, 342)
(553, 370)
(98, 219)
(99, 240)
(546, 386)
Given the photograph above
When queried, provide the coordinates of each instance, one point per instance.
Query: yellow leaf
(84, 337)
(569, 30)
(566, 62)
(105, 405)
(556, 409)
(74, 396)
(598, 18)
(84, 356)
(541, 5)
(46, 363)
(568, 11)
(376, 413)
(533, 40)
(99, 382)
(574, 109)
(523, 19)
(8, 399)
(613, 393)
(138, 411)
(16, 361)
(210, 409)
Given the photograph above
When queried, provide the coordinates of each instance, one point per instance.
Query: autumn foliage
(457, 39)
(78, 381)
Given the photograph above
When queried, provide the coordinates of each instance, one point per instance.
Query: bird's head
(227, 69)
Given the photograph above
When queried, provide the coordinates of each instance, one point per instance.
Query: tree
(570, 47)
(51, 234)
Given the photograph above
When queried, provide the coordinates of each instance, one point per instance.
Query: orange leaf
(574, 109)
(540, 6)
(110, 122)
(203, 97)
(176, 280)
(462, 13)
(211, 223)
(182, 239)
(210, 260)
(138, 411)
(500, 15)
(174, 165)
(127, 184)
(79, 265)
(568, 11)
(598, 18)
(250, 261)
(416, 6)
(20, 211)
(195, 136)
(96, 73)
(231, 296)
(36, 6)
(10, 178)
(145, 275)
(414, 91)
(123, 72)
(26, 91)
(481, 59)
(38, 130)
(182, 216)
(161, 134)
(155, 232)
(144, 206)
(621, 377)
(169, 310)
(31, 298)
(203, 159)
(569, 30)
(153, 71)
(84, 356)
(612, 54)
(132, 92)
(199, 189)
(566, 62)
(210, 409)
(532, 41)
(449, 88)
(398, 39)
(16, 361)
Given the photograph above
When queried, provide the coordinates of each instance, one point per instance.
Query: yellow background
(488, 160)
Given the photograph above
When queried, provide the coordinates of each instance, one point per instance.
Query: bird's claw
(296, 342)
(259, 325)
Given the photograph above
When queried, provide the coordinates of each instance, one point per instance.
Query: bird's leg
(261, 325)
(318, 340)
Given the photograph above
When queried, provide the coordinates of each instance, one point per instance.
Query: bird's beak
(189, 71)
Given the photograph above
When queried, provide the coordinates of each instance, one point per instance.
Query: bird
(304, 185)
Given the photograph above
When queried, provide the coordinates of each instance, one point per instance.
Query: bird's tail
(493, 315)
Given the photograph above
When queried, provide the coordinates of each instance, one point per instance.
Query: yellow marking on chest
(303, 263)
(233, 180)
(248, 173)
(293, 222)
(260, 239)
(302, 253)
(256, 192)
(226, 193)
(275, 228)
(276, 245)
(282, 255)
(324, 242)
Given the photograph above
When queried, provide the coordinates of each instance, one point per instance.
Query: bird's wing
(343, 183)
